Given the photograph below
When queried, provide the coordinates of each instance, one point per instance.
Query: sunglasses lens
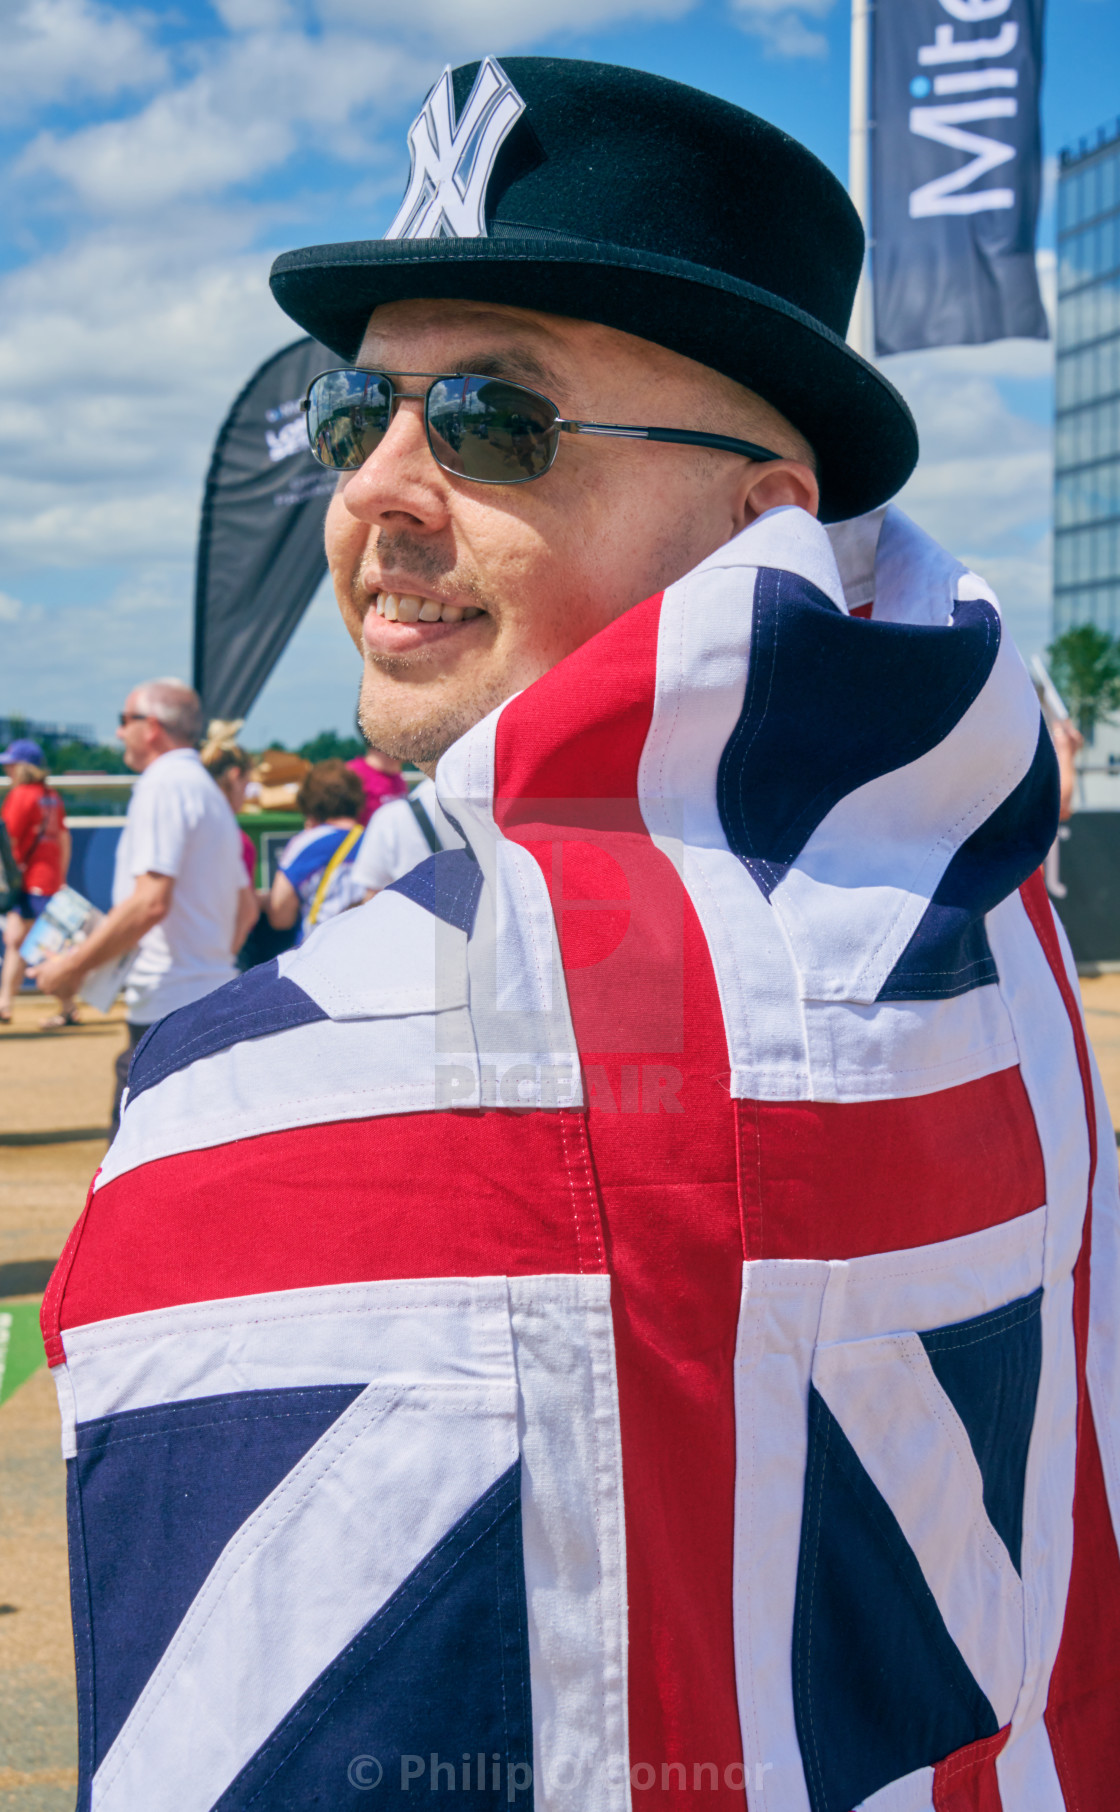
(348, 415)
(491, 431)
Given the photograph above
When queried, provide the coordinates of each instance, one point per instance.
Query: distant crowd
(187, 909)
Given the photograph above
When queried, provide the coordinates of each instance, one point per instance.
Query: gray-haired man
(179, 884)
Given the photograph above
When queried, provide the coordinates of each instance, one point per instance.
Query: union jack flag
(609, 1322)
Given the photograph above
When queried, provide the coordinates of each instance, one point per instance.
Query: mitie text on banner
(956, 172)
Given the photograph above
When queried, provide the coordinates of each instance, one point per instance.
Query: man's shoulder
(179, 772)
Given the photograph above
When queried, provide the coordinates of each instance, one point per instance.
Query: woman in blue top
(313, 880)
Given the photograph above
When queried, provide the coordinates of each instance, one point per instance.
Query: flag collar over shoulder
(885, 779)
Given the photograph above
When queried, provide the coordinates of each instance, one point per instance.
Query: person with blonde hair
(231, 767)
(33, 815)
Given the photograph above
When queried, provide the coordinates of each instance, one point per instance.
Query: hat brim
(858, 425)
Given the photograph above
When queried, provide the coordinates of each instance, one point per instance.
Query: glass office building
(1087, 388)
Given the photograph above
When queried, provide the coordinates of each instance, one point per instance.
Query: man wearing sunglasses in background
(611, 1316)
(179, 896)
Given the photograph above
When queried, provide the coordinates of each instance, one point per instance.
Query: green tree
(1085, 666)
(84, 758)
(329, 746)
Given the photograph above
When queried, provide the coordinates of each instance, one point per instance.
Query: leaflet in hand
(66, 920)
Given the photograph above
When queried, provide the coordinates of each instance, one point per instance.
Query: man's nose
(400, 476)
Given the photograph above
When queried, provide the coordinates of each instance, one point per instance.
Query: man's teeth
(397, 607)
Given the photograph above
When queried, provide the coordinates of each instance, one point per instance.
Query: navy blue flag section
(260, 544)
(956, 172)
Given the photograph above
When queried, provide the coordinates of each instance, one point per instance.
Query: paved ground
(54, 1096)
(54, 1099)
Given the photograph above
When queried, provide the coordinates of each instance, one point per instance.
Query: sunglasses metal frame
(686, 437)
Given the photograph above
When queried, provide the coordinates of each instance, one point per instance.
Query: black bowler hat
(610, 195)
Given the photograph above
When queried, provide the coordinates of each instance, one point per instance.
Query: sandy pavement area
(55, 1091)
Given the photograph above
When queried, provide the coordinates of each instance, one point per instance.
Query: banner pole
(860, 333)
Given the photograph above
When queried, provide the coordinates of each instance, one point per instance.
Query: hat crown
(613, 196)
(627, 158)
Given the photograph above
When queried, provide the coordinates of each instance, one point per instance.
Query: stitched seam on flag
(395, 1632)
(160, 1434)
(925, 1069)
(86, 1686)
(239, 1116)
(501, 1640)
(935, 1401)
(569, 1167)
(302, 1315)
(947, 841)
(1042, 919)
(998, 1325)
(51, 1311)
(313, 1485)
(806, 1693)
(240, 1027)
(731, 945)
(963, 1760)
(748, 700)
(675, 706)
(601, 1477)
(976, 966)
(527, 903)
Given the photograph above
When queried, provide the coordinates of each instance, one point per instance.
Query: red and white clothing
(34, 816)
(614, 1312)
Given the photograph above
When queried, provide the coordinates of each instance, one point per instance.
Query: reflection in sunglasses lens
(347, 417)
(489, 430)
(478, 427)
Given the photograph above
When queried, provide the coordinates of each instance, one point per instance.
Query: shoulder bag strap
(330, 870)
(428, 829)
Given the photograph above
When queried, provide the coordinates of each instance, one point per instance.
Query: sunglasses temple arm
(685, 437)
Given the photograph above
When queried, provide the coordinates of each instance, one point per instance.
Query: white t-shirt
(394, 843)
(179, 823)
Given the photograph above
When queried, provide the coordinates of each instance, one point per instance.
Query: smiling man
(458, 599)
(609, 1321)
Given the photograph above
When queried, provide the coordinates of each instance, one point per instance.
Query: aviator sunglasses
(482, 428)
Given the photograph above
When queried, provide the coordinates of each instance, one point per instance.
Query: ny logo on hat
(452, 163)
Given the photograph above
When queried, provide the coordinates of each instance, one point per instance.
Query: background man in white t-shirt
(180, 896)
(403, 833)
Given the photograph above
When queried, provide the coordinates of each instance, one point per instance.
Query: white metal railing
(84, 783)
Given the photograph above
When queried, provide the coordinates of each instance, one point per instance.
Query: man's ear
(769, 485)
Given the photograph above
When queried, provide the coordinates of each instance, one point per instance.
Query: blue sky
(156, 158)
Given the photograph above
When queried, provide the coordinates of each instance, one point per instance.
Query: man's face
(538, 567)
(136, 733)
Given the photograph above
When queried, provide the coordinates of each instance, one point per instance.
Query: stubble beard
(398, 712)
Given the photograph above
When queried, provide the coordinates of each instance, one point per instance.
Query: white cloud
(984, 481)
(780, 24)
(59, 50)
(97, 651)
(119, 357)
(258, 100)
(10, 608)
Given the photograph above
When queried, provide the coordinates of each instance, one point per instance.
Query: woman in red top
(32, 812)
